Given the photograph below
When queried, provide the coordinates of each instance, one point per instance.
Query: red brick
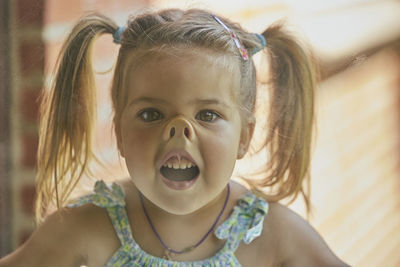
(29, 105)
(30, 11)
(29, 145)
(27, 195)
(31, 54)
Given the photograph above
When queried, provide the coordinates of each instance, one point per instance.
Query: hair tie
(242, 50)
(263, 43)
(118, 34)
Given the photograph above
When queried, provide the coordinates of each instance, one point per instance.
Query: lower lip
(178, 185)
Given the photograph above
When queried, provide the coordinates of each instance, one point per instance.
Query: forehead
(183, 75)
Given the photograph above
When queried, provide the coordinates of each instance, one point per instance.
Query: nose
(178, 127)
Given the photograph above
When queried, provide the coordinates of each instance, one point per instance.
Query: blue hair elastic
(118, 34)
(263, 43)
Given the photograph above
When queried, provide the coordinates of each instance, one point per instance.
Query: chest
(180, 234)
(258, 253)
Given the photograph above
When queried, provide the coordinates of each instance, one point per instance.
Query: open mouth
(178, 170)
(179, 175)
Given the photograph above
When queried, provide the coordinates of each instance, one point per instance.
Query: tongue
(179, 175)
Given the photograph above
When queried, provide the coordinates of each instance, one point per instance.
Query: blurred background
(356, 159)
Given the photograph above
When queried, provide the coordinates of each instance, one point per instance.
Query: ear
(245, 138)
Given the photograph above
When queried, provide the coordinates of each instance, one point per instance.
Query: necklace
(168, 251)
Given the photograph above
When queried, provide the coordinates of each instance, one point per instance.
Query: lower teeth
(180, 175)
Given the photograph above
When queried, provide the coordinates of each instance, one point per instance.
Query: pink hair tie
(242, 50)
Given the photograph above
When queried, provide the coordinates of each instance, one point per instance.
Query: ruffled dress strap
(245, 222)
(112, 198)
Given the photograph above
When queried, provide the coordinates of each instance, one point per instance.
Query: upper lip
(179, 154)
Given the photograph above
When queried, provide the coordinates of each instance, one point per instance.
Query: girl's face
(181, 111)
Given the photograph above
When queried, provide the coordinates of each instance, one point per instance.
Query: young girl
(183, 93)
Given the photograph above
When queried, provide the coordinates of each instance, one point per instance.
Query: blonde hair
(68, 109)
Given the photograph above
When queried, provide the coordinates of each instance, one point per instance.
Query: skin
(85, 235)
(189, 93)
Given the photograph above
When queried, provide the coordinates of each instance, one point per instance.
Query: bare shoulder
(57, 241)
(297, 242)
(65, 238)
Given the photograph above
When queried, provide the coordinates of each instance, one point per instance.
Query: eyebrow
(148, 99)
(206, 101)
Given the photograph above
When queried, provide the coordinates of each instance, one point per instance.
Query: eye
(150, 115)
(207, 116)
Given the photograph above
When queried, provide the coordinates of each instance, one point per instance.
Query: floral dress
(244, 224)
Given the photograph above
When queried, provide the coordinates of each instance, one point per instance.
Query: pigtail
(291, 114)
(67, 117)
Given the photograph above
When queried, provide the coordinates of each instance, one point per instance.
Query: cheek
(221, 151)
(138, 147)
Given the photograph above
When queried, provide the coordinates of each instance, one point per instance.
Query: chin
(180, 211)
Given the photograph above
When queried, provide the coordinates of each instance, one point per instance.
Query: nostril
(172, 131)
(186, 131)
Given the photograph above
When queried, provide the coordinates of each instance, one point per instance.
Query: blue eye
(207, 116)
(150, 115)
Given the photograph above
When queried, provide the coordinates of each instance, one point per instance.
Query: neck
(179, 231)
(208, 211)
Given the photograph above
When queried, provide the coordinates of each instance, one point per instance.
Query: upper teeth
(176, 164)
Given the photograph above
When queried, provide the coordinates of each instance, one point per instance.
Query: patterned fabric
(245, 223)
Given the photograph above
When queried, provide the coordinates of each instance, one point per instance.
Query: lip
(178, 185)
(179, 154)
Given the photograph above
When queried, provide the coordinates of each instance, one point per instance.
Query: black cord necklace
(168, 251)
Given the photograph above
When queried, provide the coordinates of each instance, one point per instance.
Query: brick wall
(5, 187)
(27, 81)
